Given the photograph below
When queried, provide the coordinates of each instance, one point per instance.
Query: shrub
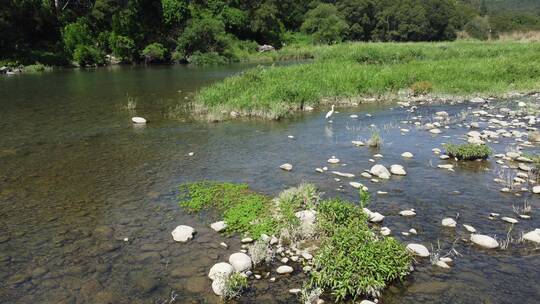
(76, 34)
(375, 141)
(205, 35)
(205, 59)
(478, 28)
(421, 88)
(86, 55)
(352, 260)
(122, 47)
(36, 68)
(468, 151)
(154, 52)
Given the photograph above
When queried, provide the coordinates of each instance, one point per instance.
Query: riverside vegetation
(347, 72)
(352, 260)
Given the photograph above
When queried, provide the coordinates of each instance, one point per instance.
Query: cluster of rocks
(4, 70)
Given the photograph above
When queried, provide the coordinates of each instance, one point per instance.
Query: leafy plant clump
(468, 151)
(421, 88)
(234, 285)
(353, 260)
(375, 141)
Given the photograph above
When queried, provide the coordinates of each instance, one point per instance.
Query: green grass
(352, 260)
(344, 72)
(468, 151)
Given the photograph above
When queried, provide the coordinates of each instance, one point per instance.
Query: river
(88, 201)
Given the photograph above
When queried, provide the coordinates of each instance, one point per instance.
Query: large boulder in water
(380, 171)
(419, 250)
(183, 233)
(220, 270)
(240, 261)
(484, 241)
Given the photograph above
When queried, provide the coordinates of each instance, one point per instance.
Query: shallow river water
(77, 178)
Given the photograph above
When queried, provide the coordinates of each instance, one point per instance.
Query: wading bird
(330, 113)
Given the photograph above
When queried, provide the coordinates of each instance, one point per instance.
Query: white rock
(222, 270)
(295, 291)
(376, 217)
(306, 255)
(333, 160)
(484, 241)
(413, 231)
(355, 185)
(536, 189)
(357, 143)
(380, 171)
(397, 170)
(286, 167)
(366, 175)
(218, 226)
(183, 233)
(509, 220)
(218, 286)
(138, 120)
(446, 259)
(477, 100)
(246, 240)
(367, 302)
(469, 228)
(419, 250)
(447, 166)
(240, 261)
(407, 213)
(284, 269)
(449, 222)
(385, 231)
(533, 236)
(343, 174)
(407, 155)
(442, 264)
(435, 131)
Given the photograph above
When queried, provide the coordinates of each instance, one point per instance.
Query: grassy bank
(339, 227)
(348, 71)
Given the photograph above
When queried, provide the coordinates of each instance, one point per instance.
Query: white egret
(330, 113)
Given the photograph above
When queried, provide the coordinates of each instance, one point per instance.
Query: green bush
(234, 285)
(205, 35)
(478, 28)
(154, 52)
(88, 56)
(76, 34)
(355, 262)
(204, 59)
(36, 68)
(122, 47)
(324, 23)
(468, 151)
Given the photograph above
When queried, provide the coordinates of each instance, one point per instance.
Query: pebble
(284, 269)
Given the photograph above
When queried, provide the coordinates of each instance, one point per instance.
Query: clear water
(76, 178)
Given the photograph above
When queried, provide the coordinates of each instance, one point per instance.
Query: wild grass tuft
(234, 285)
(468, 151)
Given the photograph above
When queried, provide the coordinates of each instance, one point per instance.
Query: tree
(122, 47)
(154, 52)
(360, 18)
(324, 24)
(175, 12)
(205, 35)
(76, 34)
(266, 24)
(478, 28)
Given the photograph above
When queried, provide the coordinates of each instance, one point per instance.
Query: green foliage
(76, 34)
(421, 88)
(36, 68)
(154, 52)
(365, 197)
(205, 35)
(478, 28)
(86, 55)
(234, 285)
(468, 151)
(122, 47)
(375, 141)
(324, 23)
(352, 260)
(175, 12)
(205, 59)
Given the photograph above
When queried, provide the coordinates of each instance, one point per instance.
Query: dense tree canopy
(85, 31)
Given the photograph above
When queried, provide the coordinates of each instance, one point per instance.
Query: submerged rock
(419, 250)
(449, 222)
(183, 233)
(484, 241)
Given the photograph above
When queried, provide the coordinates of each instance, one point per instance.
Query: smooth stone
(449, 222)
(355, 185)
(484, 241)
(342, 174)
(240, 261)
(380, 171)
(367, 302)
(536, 189)
(435, 131)
(284, 269)
(478, 100)
(407, 155)
(246, 240)
(358, 143)
(469, 228)
(183, 233)
(221, 269)
(218, 286)
(448, 167)
(509, 220)
(407, 213)
(532, 236)
(138, 120)
(333, 160)
(419, 250)
(442, 264)
(385, 231)
(218, 226)
(295, 291)
(286, 167)
(397, 170)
